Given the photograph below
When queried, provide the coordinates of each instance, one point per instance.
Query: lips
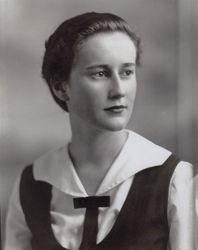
(116, 108)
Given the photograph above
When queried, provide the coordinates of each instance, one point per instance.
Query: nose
(116, 90)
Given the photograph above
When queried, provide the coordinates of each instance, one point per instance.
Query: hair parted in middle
(63, 44)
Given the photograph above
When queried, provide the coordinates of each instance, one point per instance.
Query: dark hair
(62, 44)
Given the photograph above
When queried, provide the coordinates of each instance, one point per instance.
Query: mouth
(116, 108)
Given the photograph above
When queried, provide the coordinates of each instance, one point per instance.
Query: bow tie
(90, 230)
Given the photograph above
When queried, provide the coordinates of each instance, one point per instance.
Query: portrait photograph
(98, 125)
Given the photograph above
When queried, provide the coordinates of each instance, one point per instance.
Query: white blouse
(137, 154)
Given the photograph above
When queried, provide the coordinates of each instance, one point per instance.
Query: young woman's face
(102, 85)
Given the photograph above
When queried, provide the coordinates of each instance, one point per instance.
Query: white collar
(137, 154)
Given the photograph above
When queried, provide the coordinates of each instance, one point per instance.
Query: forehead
(106, 48)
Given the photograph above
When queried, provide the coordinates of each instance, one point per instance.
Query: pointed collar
(137, 154)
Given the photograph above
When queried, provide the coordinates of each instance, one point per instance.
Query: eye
(127, 72)
(100, 74)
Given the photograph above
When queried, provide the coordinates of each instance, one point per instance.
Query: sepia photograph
(98, 125)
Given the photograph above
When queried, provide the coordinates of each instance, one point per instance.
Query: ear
(60, 90)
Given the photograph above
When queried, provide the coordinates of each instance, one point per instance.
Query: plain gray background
(166, 105)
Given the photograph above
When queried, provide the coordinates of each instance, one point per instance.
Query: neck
(93, 152)
(96, 148)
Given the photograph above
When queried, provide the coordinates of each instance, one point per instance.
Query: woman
(109, 188)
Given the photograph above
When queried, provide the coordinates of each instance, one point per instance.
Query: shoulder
(46, 167)
(183, 175)
(181, 189)
(55, 168)
(145, 152)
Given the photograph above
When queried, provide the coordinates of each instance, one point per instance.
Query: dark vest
(141, 224)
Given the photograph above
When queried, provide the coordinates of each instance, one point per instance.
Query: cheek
(85, 100)
(93, 94)
(132, 90)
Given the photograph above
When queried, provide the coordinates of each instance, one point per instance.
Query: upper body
(67, 222)
(90, 67)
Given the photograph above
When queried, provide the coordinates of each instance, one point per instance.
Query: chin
(110, 125)
(116, 126)
(117, 122)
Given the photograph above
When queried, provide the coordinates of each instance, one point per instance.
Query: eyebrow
(105, 66)
(128, 64)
